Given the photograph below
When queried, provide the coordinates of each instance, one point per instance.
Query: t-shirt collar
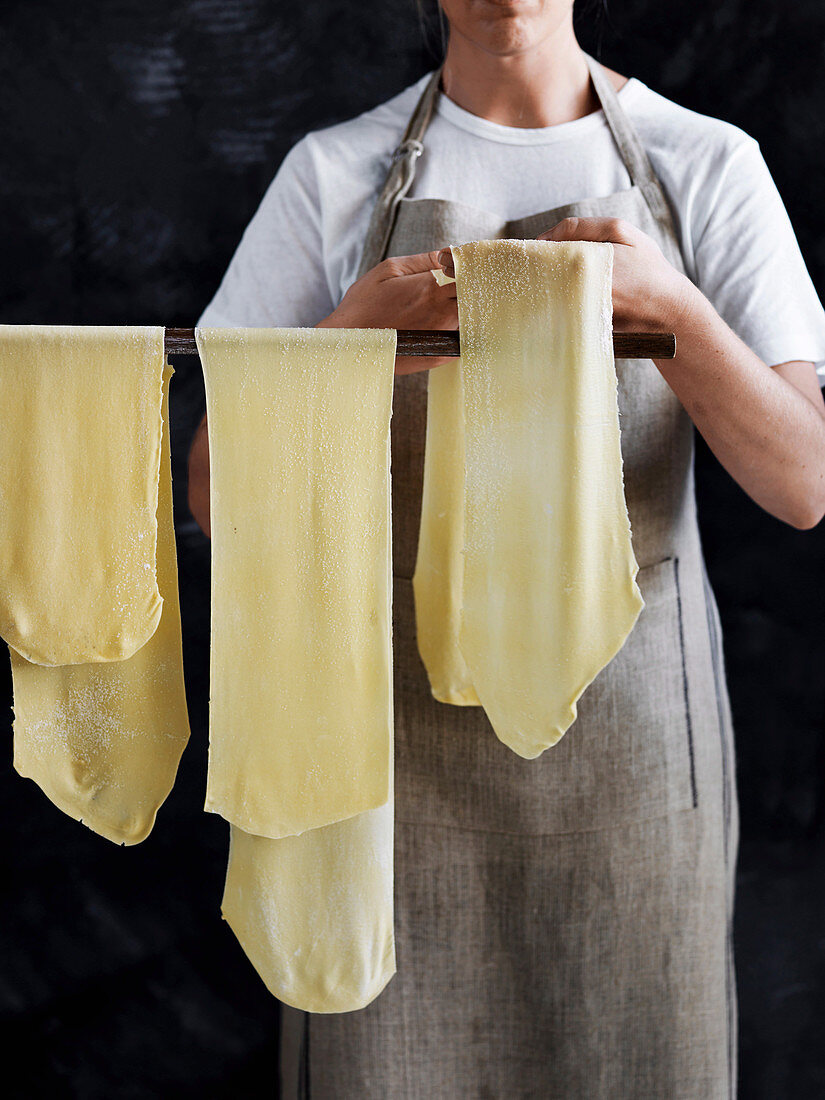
(518, 135)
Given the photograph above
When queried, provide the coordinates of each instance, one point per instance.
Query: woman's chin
(504, 27)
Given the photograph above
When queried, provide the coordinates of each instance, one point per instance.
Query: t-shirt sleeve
(749, 264)
(277, 278)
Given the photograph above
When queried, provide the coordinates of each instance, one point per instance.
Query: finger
(430, 283)
(613, 230)
(409, 265)
(446, 262)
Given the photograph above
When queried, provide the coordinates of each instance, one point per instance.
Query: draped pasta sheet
(314, 913)
(300, 723)
(300, 758)
(438, 580)
(525, 581)
(79, 459)
(102, 739)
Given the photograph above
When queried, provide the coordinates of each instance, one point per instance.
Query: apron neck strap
(420, 118)
(624, 133)
(399, 178)
(635, 158)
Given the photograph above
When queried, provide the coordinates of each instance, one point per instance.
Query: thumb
(612, 230)
(412, 265)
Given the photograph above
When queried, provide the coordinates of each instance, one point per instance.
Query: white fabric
(301, 250)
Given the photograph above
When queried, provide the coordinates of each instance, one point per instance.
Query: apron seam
(452, 827)
(688, 718)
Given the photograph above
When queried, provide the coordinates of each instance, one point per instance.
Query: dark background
(137, 138)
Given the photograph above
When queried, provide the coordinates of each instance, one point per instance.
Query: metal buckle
(409, 148)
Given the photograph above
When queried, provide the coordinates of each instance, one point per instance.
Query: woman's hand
(764, 422)
(399, 293)
(648, 292)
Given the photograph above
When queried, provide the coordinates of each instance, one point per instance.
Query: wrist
(333, 321)
(679, 303)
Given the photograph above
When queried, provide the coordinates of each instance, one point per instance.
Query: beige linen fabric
(562, 924)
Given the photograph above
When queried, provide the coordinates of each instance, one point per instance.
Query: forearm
(198, 487)
(766, 433)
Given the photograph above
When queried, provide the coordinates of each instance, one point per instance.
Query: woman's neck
(543, 85)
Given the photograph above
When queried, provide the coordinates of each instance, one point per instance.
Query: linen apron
(563, 924)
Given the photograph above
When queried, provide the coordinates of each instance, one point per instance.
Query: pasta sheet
(80, 436)
(301, 702)
(314, 913)
(538, 575)
(438, 580)
(301, 662)
(103, 740)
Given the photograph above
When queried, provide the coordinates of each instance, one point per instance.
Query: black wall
(136, 139)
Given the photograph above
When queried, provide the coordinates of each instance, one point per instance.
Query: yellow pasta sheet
(314, 913)
(541, 562)
(103, 740)
(438, 580)
(80, 428)
(301, 668)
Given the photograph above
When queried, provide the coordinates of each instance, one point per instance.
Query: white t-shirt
(301, 250)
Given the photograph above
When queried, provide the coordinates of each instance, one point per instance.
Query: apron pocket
(629, 755)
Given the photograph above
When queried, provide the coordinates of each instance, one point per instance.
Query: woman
(563, 924)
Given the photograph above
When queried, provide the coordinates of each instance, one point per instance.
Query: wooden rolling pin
(626, 345)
